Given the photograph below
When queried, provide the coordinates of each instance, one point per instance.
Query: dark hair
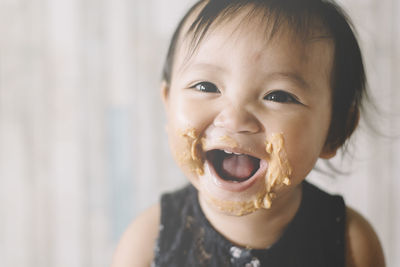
(302, 16)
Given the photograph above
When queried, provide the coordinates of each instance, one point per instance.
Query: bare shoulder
(362, 244)
(135, 249)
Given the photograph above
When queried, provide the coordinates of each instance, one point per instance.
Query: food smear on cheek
(193, 158)
(278, 175)
(279, 169)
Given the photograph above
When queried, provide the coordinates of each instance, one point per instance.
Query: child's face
(234, 93)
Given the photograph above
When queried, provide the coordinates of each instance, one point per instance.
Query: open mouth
(233, 167)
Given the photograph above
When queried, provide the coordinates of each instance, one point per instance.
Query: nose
(237, 120)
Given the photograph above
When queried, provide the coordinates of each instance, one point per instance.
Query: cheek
(306, 137)
(185, 113)
(303, 154)
(186, 124)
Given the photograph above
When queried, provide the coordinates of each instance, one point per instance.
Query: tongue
(239, 166)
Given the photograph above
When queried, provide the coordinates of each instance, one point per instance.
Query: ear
(351, 124)
(328, 153)
(164, 92)
(164, 97)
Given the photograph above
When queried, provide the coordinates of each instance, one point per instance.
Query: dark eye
(206, 87)
(281, 97)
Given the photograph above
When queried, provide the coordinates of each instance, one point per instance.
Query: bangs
(303, 21)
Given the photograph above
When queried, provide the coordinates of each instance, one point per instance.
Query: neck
(259, 229)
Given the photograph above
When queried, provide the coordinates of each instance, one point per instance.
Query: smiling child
(255, 92)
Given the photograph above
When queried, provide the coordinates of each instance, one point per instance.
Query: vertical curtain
(83, 148)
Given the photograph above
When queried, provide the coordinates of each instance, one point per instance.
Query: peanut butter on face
(279, 169)
(278, 174)
(194, 159)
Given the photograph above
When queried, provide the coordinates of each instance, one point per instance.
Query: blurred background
(82, 130)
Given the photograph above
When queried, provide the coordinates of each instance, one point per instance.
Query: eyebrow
(292, 76)
(202, 65)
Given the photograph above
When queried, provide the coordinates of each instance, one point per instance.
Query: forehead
(267, 21)
(250, 30)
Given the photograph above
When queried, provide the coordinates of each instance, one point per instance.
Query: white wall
(82, 140)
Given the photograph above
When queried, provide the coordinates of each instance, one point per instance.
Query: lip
(236, 150)
(238, 186)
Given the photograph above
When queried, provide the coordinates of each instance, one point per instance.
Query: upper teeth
(230, 152)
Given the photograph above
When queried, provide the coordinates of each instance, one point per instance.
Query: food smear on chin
(279, 169)
(194, 157)
(278, 175)
(236, 208)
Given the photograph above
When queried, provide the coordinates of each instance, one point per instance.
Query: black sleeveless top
(315, 236)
